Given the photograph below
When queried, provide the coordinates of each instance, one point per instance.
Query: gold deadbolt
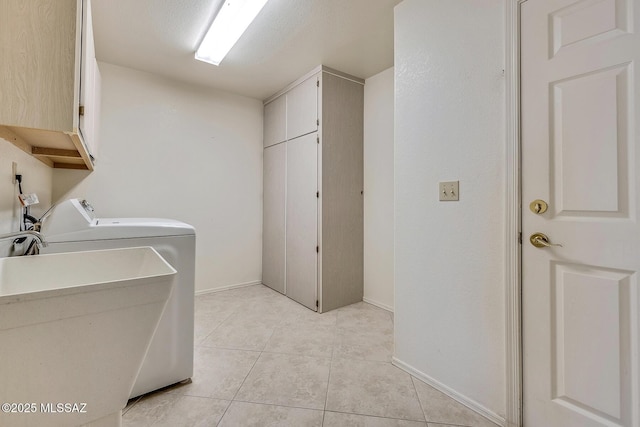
(540, 240)
(538, 206)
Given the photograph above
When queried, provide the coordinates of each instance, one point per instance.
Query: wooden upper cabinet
(48, 78)
(302, 108)
(275, 121)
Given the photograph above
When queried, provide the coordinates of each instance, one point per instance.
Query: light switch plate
(449, 191)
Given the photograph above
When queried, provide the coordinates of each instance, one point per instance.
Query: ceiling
(287, 39)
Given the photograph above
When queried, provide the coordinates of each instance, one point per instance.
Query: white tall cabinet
(313, 180)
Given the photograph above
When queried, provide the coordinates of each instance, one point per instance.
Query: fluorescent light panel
(230, 23)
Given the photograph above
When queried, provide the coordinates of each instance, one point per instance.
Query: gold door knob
(540, 240)
(538, 206)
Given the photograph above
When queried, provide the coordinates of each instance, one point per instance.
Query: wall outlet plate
(28, 199)
(449, 191)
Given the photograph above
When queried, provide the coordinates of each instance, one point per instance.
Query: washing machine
(72, 226)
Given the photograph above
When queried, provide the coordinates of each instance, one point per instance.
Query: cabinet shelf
(54, 149)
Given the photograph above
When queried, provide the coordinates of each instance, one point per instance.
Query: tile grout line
(224, 413)
(413, 383)
(385, 418)
(235, 311)
(219, 324)
(333, 355)
(326, 395)
(246, 376)
(278, 405)
(297, 354)
(229, 348)
(447, 425)
(233, 399)
(236, 393)
(324, 409)
(204, 339)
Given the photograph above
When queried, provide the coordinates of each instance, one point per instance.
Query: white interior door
(302, 220)
(580, 155)
(273, 217)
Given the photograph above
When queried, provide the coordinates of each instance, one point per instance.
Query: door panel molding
(513, 253)
(574, 182)
(606, 19)
(591, 295)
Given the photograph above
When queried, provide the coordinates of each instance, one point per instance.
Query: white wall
(449, 256)
(378, 189)
(172, 150)
(36, 178)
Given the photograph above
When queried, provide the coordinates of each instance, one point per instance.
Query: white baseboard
(469, 403)
(228, 287)
(378, 304)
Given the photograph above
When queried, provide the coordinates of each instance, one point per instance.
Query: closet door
(273, 220)
(302, 220)
(302, 108)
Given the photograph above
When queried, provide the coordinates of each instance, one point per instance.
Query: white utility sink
(74, 329)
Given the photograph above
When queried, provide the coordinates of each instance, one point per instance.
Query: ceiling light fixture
(227, 27)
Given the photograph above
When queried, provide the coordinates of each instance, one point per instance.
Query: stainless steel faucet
(39, 237)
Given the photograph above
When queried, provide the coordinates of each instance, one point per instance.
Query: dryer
(72, 226)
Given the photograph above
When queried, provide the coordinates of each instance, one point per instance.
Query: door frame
(513, 218)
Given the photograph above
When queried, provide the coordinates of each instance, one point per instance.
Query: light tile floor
(261, 359)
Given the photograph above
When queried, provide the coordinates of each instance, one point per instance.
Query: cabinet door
(89, 83)
(302, 108)
(302, 220)
(38, 64)
(273, 240)
(275, 121)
